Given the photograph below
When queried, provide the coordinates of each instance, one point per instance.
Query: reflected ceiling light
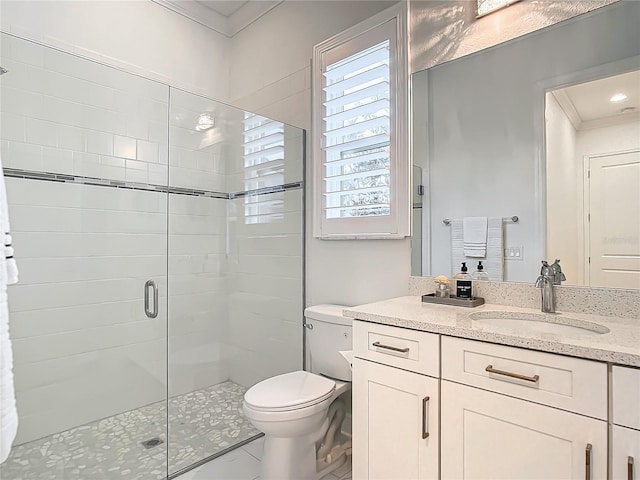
(618, 97)
(485, 7)
(205, 122)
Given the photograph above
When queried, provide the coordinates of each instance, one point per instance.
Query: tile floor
(201, 423)
(244, 464)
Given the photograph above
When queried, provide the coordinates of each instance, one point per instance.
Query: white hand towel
(8, 274)
(475, 236)
(493, 262)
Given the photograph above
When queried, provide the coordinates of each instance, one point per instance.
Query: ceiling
(226, 8)
(588, 104)
(227, 17)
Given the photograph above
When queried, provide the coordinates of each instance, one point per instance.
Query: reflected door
(614, 223)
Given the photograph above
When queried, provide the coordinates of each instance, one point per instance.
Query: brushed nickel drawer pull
(588, 462)
(533, 379)
(395, 349)
(630, 468)
(425, 432)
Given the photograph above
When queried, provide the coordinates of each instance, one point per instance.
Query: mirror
(485, 148)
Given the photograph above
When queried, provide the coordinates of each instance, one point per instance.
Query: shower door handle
(151, 313)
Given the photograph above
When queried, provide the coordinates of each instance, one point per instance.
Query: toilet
(301, 413)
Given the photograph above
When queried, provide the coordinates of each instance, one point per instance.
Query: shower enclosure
(159, 237)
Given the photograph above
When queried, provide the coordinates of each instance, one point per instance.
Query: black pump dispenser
(463, 282)
(480, 266)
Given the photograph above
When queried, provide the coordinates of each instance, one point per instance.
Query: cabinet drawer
(399, 347)
(568, 383)
(626, 397)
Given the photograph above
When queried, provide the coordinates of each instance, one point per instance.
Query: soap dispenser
(463, 282)
(480, 274)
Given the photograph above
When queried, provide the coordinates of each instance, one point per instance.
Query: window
(485, 7)
(264, 148)
(360, 131)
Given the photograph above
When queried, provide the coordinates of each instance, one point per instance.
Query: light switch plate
(514, 253)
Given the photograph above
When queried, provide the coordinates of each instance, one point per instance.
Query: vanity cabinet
(490, 411)
(625, 435)
(395, 414)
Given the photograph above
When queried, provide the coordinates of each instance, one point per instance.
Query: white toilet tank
(328, 332)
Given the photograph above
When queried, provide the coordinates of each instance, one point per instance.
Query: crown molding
(227, 26)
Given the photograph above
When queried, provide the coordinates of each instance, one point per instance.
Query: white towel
(8, 275)
(475, 236)
(492, 261)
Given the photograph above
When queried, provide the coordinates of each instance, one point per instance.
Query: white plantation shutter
(359, 175)
(356, 135)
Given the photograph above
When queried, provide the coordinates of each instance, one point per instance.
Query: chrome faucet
(546, 281)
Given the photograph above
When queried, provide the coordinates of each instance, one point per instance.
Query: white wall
(138, 36)
(270, 73)
(564, 207)
(614, 138)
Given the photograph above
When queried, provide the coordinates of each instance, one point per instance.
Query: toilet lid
(289, 391)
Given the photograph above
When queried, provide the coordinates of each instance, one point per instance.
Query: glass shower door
(235, 270)
(85, 154)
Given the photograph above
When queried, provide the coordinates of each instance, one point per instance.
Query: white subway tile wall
(197, 158)
(63, 114)
(265, 287)
(197, 293)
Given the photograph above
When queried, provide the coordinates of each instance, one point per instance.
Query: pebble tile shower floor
(201, 423)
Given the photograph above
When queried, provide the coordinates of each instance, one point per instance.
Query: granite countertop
(620, 344)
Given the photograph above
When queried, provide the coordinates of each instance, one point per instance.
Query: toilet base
(288, 458)
(295, 459)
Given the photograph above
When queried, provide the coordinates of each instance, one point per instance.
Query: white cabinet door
(625, 457)
(395, 423)
(490, 436)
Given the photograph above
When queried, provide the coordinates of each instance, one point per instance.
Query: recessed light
(205, 122)
(618, 97)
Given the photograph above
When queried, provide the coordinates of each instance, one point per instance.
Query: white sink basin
(538, 323)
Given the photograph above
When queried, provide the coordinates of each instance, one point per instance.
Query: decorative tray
(458, 302)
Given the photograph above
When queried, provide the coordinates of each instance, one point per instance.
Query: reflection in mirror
(593, 180)
(479, 136)
(416, 227)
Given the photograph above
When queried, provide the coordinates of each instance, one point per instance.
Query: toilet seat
(290, 391)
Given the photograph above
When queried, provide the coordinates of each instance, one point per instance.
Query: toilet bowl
(301, 412)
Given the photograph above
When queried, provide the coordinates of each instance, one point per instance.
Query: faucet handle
(546, 269)
(556, 270)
